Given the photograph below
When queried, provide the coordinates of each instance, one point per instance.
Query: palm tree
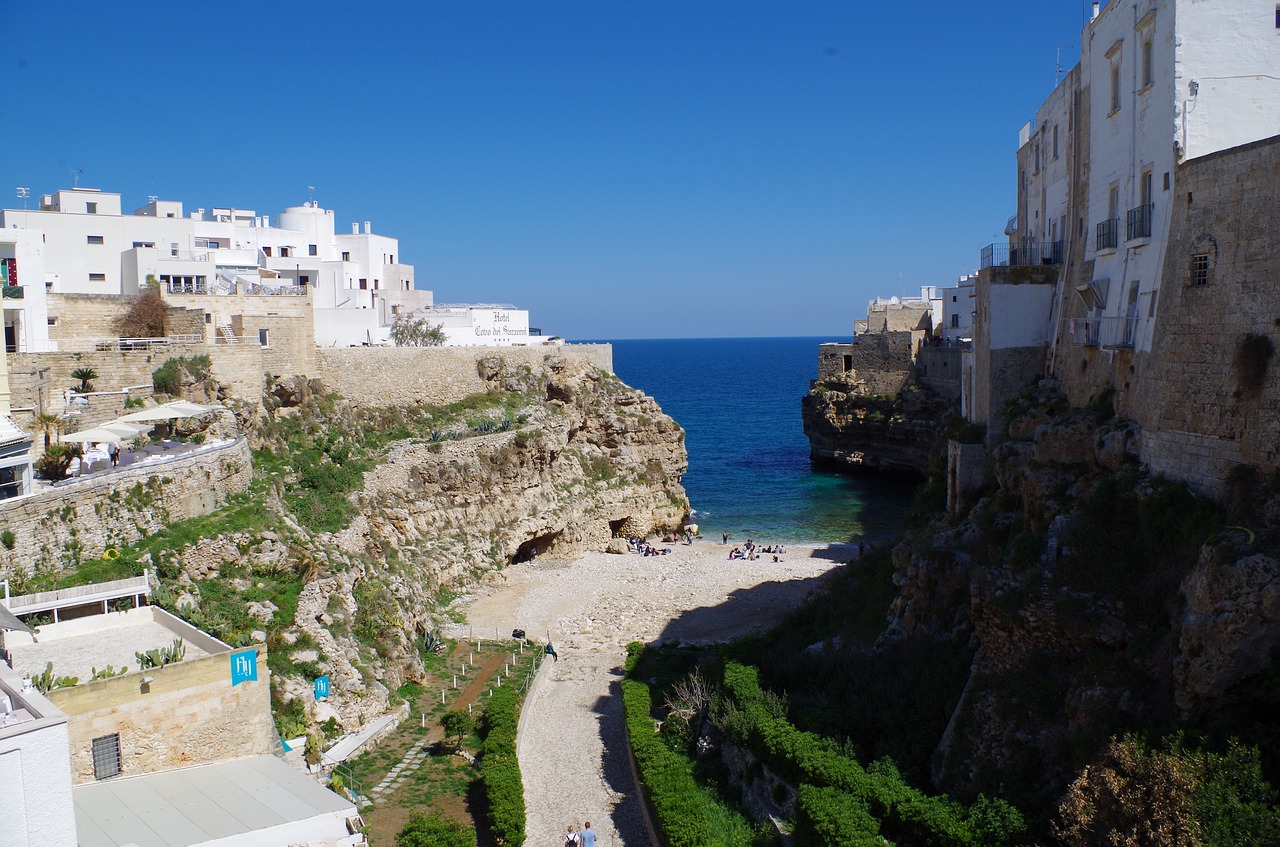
(49, 424)
(86, 377)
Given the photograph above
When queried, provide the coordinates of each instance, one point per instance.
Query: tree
(86, 377)
(414, 330)
(457, 725)
(434, 830)
(49, 424)
(147, 317)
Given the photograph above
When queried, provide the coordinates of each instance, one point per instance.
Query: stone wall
(899, 317)
(938, 369)
(391, 376)
(116, 369)
(290, 347)
(80, 519)
(880, 363)
(189, 714)
(88, 316)
(1200, 412)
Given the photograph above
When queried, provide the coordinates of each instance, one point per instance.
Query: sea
(738, 400)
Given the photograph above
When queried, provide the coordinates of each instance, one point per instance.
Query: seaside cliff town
(247, 467)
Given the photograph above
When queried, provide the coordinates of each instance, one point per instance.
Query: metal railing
(1140, 222)
(14, 292)
(182, 256)
(1110, 332)
(195, 287)
(1023, 255)
(1108, 235)
(85, 345)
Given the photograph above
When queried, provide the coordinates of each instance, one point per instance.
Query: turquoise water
(738, 400)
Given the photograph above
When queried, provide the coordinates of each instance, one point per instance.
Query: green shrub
(827, 818)
(810, 759)
(500, 769)
(434, 830)
(673, 792)
(8, 539)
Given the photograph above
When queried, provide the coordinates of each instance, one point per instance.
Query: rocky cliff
(850, 429)
(1098, 598)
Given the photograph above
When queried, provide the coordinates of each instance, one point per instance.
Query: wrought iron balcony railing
(1140, 222)
(1108, 235)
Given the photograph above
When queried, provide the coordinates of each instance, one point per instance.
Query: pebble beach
(572, 746)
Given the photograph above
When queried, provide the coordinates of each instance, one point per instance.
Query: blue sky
(621, 169)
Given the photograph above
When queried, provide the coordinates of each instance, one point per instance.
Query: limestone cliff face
(849, 429)
(558, 456)
(597, 459)
(1097, 597)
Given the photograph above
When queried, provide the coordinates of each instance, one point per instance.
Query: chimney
(368, 227)
(1096, 7)
(355, 229)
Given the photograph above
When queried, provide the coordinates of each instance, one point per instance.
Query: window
(346, 257)
(284, 252)
(91, 208)
(311, 249)
(94, 239)
(364, 283)
(1115, 88)
(263, 338)
(1200, 268)
(106, 756)
(1037, 149)
(1151, 304)
(97, 277)
(144, 244)
(1055, 141)
(1148, 71)
(1278, 16)
(305, 279)
(1144, 189)
(208, 317)
(173, 248)
(53, 321)
(266, 251)
(955, 321)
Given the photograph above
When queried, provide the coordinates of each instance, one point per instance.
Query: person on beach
(571, 838)
(551, 651)
(724, 537)
(588, 835)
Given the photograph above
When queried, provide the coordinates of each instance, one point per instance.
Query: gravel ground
(572, 746)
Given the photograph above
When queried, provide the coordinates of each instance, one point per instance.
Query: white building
(1159, 82)
(35, 781)
(91, 247)
(22, 280)
(482, 325)
(952, 309)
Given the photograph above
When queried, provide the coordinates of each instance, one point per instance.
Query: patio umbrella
(167, 412)
(97, 434)
(127, 430)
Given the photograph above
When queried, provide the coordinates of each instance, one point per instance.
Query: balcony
(1140, 222)
(1031, 254)
(1108, 235)
(1106, 332)
(13, 292)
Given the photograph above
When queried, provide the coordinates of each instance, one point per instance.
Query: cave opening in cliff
(537, 546)
(620, 528)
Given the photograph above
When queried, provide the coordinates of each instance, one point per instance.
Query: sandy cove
(572, 744)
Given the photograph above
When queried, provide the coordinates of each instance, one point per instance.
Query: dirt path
(572, 753)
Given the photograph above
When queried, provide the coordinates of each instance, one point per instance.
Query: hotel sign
(244, 667)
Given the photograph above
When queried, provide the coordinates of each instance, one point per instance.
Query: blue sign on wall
(322, 687)
(244, 667)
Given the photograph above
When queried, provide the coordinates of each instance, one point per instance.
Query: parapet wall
(397, 376)
(56, 528)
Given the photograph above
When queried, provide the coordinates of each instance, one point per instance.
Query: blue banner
(244, 667)
(322, 687)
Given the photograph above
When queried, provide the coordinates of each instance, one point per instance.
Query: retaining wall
(78, 520)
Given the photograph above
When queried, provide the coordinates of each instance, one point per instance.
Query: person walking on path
(571, 838)
(588, 835)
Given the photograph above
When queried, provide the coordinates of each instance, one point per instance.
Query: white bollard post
(455, 680)
(442, 695)
(424, 720)
(468, 708)
(513, 658)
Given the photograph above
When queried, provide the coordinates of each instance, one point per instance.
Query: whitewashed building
(91, 247)
(35, 781)
(482, 325)
(22, 282)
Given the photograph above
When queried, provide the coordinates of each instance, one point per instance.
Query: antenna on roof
(311, 190)
(75, 177)
(1058, 70)
(151, 198)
